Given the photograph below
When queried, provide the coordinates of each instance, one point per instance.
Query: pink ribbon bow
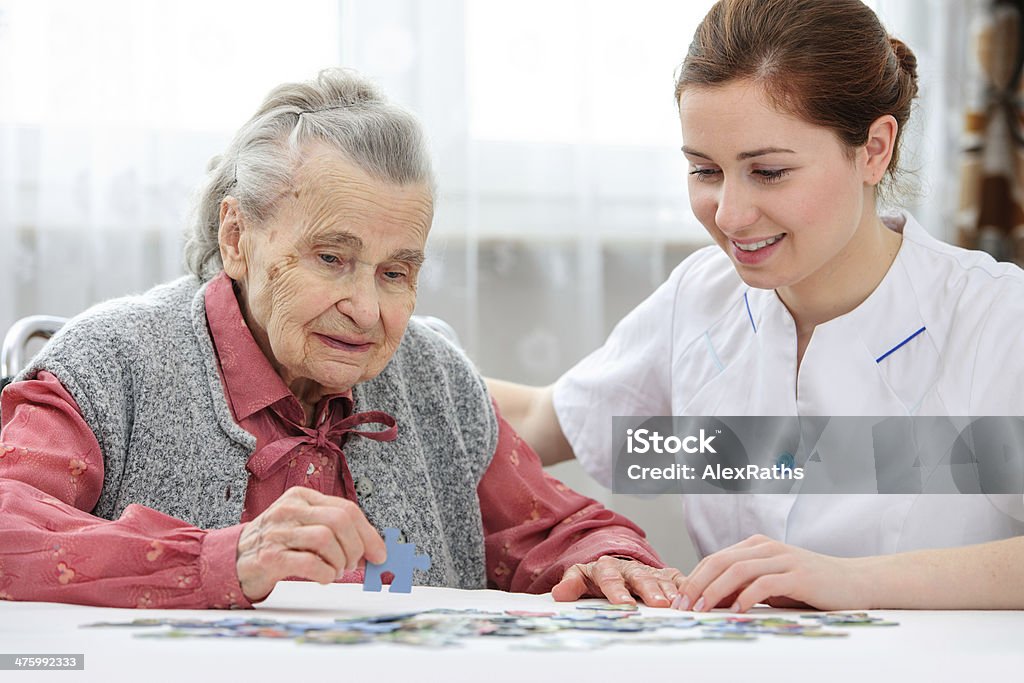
(328, 436)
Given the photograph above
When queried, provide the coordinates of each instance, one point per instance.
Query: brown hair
(830, 62)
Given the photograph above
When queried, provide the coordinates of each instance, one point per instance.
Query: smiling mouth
(755, 246)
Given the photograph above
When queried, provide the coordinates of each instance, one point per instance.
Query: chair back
(13, 354)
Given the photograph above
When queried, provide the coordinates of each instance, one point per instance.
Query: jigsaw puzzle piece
(402, 560)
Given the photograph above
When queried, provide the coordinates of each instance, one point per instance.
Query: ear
(879, 147)
(229, 236)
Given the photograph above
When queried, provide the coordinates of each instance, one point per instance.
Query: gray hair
(340, 108)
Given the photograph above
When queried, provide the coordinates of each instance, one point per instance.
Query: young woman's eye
(705, 174)
(767, 175)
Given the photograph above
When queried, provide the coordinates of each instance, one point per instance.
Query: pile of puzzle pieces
(586, 627)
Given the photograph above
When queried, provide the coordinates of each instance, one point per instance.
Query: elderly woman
(194, 445)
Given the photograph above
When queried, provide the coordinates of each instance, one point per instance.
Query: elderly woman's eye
(330, 259)
(394, 274)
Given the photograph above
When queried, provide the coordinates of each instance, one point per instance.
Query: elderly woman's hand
(619, 580)
(761, 569)
(305, 534)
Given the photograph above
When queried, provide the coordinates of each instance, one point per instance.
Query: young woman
(812, 303)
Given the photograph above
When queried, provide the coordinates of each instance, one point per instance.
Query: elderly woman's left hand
(619, 580)
(761, 569)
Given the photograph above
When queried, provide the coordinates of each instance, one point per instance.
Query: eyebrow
(346, 239)
(413, 257)
(340, 239)
(742, 155)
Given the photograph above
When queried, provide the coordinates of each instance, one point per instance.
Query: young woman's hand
(761, 569)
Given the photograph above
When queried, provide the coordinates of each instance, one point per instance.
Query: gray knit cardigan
(144, 373)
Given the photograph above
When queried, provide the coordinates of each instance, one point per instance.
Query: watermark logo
(904, 455)
(645, 440)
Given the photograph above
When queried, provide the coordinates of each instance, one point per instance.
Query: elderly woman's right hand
(305, 534)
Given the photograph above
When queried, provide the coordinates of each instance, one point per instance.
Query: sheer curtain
(552, 124)
(109, 111)
(938, 32)
(562, 197)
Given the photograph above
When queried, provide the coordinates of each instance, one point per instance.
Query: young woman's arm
(531, 413)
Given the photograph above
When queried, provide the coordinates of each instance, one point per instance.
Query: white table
(927, 646)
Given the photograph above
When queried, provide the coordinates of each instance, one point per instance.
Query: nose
(736, 207)
(361, 303)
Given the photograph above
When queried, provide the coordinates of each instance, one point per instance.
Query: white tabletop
(932, 646)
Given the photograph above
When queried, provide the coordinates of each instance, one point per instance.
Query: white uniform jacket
(943, 334)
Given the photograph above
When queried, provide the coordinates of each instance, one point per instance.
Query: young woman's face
(782, 197)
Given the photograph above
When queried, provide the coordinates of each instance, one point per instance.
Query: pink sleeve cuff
(617, 541)
(217, 569)
(621, 542)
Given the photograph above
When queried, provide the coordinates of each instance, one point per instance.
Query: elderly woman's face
(329, 282)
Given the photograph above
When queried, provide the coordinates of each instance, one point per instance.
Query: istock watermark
(920, 455)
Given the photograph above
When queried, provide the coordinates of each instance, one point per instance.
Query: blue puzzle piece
(402, 559)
